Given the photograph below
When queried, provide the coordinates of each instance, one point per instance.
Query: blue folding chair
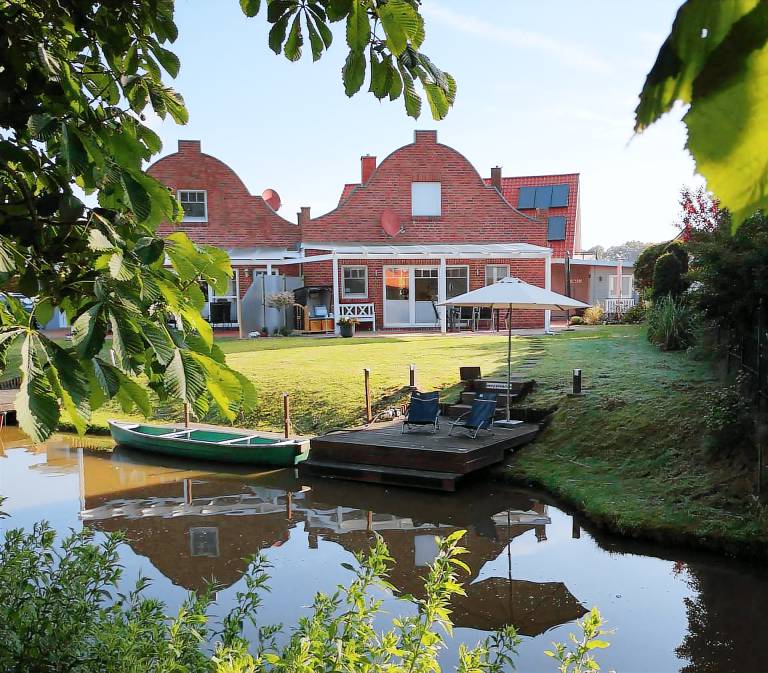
(424, 410)
(480, 417)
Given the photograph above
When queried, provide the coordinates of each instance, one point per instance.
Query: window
(204, 541)
(425, 285)
(456, 281)
(556, 228)
(495, 272)
(355, 281)
(426, 199)
(627, 286)
(195, 205)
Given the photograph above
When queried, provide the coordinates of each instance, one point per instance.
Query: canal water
(532, 564)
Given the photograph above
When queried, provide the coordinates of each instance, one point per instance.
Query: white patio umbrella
(510, 293)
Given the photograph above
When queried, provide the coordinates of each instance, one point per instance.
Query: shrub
(634, 315)
(576, 320)
(667, 276)
(281, 299)
(644, 265)
(671, 324)
(594, 315)
(285, 330)
(728, 416)
(61, 610)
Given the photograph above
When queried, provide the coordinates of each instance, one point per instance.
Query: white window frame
(496, 279)
(189, 218)
(629, 279)
(423, 199)
(457, 266)
(354, 295)
(411, 294)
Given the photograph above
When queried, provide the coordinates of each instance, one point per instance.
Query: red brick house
(419, 227)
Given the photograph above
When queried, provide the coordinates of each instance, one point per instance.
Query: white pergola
(438, 252)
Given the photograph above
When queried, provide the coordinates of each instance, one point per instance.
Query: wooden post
(289, 505)
(412, 377)
(186, 414)
(286, 415)
(369, 521)
(368, 413)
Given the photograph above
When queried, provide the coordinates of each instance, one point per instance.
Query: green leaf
(698, 29)
(73, 151)
(69, 383)
(358, 27)
(250, 7)
(130, 394)
(138, 198)
(126, 341)
(353, 72)
(338, 9)
(168, 60)
(380, 85)
(293, 44)
(277, 33)
(401, 23)
(438, 102)
(89, 332)
(728, 118)
(410, 97)
(184, 377)
(597, 644)
(37, 409)
(159, 340)
(315, 41)
(221, 382)
(119, 269)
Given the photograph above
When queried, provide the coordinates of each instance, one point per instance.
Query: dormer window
(195, 205)
(426, 199)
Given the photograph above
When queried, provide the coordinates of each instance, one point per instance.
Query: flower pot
(347, 330)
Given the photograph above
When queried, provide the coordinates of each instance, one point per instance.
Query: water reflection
(531, 564)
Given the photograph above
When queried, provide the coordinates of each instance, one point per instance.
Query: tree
(627, 252)
(715, 60)
(699, 210)
(645, 264)
(667, 276)
(597, 250)
(76, 79)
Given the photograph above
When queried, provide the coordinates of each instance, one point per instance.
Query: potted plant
(347, 326)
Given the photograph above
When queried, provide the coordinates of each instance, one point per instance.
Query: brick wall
(510, 187)
(236, 218)
(529, 270)
(472, 212)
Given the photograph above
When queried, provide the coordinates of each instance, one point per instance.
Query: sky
(543, 87)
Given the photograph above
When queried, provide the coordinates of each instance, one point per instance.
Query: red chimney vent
(367, 167)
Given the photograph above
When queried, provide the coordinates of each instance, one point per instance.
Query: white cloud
(571, 55)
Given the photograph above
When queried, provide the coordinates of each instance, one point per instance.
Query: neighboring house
(419, 227)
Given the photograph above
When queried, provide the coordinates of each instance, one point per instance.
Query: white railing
(619, 305)
(361, 312)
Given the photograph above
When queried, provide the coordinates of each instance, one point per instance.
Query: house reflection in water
(194, 525)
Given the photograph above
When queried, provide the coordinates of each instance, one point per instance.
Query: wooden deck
(421, 459)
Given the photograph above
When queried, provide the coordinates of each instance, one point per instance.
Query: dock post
(286, 415)
(412, 377)
(368, 413)
(186, 414)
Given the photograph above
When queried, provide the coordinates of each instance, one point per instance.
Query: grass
(632, 453)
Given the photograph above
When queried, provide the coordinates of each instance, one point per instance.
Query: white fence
(619, 305)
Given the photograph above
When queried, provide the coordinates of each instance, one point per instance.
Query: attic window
(195, 205)
(426, 199)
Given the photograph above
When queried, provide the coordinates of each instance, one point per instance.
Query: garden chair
(480, 417)
(424, 410)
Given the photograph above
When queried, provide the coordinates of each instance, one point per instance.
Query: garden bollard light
(412, 377)
(577, 381)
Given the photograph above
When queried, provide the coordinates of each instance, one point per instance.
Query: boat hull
(202, 445)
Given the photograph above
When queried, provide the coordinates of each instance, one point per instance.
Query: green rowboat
(217, 445)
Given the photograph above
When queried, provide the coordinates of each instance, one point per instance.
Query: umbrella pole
(509, 357)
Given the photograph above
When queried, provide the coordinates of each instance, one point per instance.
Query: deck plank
(386, 451)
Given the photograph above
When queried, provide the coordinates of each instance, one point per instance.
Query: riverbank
(633, 456)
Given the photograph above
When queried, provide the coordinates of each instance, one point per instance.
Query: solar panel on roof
(559, 196)
(543, 196)
(556, 228)
(526, 197)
